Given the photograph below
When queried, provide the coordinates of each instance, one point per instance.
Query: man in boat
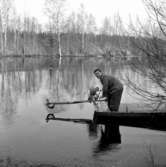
(112, 89)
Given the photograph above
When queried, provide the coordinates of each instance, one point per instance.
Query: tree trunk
(59, 47)
(83, 43)
(1, 35)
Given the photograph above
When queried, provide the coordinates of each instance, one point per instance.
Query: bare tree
(106, 28)
(71, 25)
(81, 25)
(5, 7)
(119, 28)
(151, 41)
(55, 12)
(91, 24)
(13, 26)
(1, 33)
(70, 30)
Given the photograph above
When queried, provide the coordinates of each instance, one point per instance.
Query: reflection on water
(92, 130)
(16, 85)
(109, 139)
(23, 96)
(110, 136)
(70, 82)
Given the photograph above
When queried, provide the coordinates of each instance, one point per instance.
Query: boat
(152, 120)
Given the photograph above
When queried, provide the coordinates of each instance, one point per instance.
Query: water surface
(25, 134)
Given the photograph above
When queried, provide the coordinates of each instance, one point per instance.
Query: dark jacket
(110, 85)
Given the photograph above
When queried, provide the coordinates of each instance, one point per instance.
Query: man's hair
(97, 69)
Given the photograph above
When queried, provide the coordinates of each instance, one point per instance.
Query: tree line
(73, 34)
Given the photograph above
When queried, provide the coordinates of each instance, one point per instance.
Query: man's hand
(103, 99)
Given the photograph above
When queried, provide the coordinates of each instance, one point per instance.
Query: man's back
(110, 84)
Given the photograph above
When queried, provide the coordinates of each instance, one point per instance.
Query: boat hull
(146, 120)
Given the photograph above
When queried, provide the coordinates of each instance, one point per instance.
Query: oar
(71, 102)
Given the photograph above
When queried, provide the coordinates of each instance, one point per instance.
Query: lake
(26, 137)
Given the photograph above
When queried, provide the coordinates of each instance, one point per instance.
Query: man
(112, 89)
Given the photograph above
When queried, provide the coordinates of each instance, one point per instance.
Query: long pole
(71, 102)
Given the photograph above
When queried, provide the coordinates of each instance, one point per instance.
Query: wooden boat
(152, 120)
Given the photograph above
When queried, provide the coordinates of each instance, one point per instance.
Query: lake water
(26, 136)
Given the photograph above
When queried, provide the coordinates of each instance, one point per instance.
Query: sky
(99, 8)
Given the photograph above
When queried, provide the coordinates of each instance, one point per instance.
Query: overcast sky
(99, 8)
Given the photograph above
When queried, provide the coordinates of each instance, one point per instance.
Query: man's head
(98, 73)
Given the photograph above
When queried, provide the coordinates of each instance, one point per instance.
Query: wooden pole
(71, 102)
